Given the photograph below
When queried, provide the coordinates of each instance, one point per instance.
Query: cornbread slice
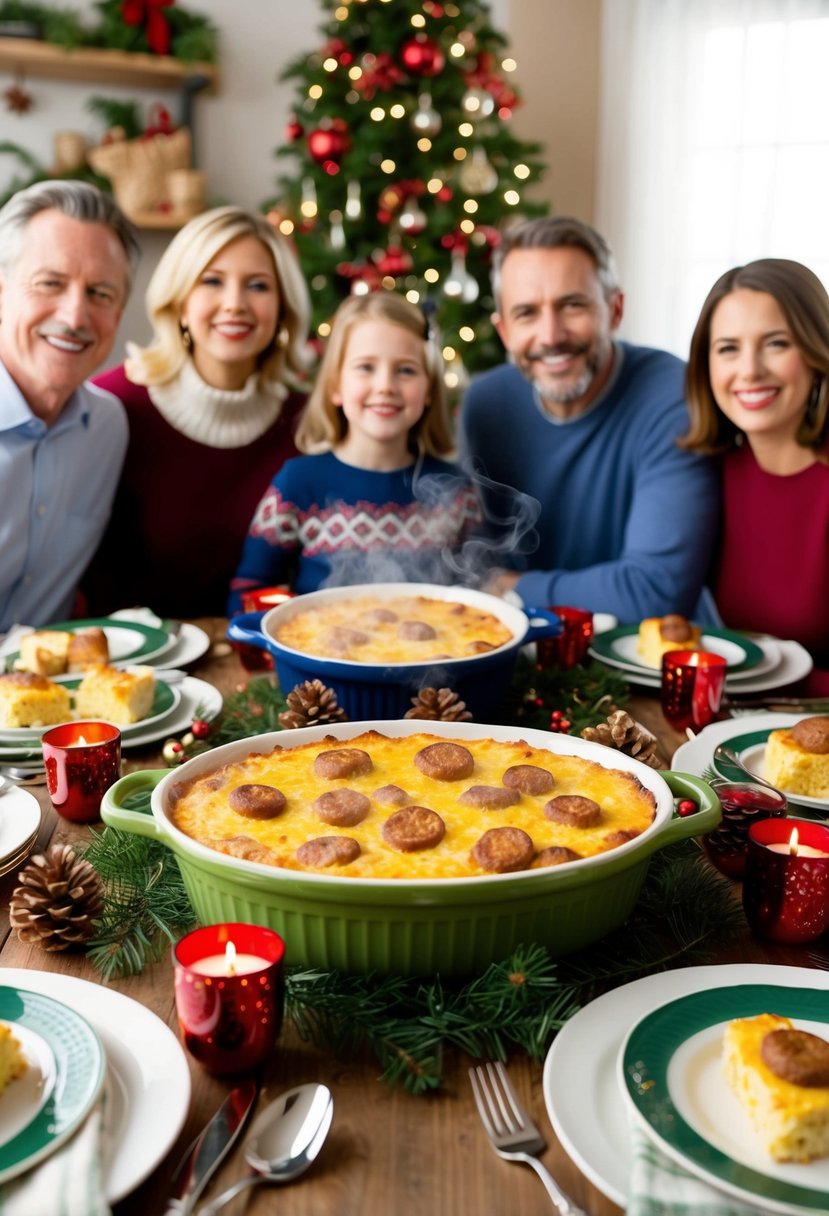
(659, 634)
(797, 759)
(116, 696)
(27, 699)
(45, 651)
(12, 1061)
(86, 648)
(791, 1121)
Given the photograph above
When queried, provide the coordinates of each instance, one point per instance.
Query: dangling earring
(813, 404)
(282, 338)
(186, 339)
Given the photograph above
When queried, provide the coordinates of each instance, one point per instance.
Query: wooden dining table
(388, 1151)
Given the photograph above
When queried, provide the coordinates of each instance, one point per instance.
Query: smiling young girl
(372, 500)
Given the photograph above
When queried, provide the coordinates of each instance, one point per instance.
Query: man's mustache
(562, 348)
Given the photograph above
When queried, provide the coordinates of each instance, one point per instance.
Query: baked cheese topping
(405, 629)
(203, 808)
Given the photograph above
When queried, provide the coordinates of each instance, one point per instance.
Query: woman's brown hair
(805, 305)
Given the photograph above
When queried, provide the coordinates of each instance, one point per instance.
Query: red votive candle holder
(572, 644)
(230, 991)
(253, 658)
(82, 760)
(786, 883)
(692, 687)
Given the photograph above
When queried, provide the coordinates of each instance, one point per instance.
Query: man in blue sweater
(586, 426)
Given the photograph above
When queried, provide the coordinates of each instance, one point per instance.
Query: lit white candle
(794, 848)
(229, 963)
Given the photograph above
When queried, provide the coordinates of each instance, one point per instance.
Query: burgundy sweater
(773, 569)
(181, 512)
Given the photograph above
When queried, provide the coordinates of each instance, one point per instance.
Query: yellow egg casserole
(405, 629)
(12, 1061)
(282, 803)
(791, 1120)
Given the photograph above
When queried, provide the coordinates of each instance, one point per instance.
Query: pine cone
(438, 705)
(311, 704)
(628, 736)
(58, 900)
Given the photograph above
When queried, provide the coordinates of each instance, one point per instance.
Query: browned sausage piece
(340, 639)
(328, 851)
(555, 855)
(478, 647)
(489, 797)
(257, 801)
(342, 762)
(501, 850)
(621, 836)
(797, 1056)
(342, 808)
(379, 616)
(575, 811)
(247, 849)
(458, 610)
(445, 761)
(415, 631)
(413, 828)
(529, 779)
(391, 795)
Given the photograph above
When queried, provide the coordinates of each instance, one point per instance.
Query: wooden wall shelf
(93, 65)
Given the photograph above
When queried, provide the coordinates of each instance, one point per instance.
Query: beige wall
(556, 44)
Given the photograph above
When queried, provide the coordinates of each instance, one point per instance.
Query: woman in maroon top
(758, 394)
(212, 403)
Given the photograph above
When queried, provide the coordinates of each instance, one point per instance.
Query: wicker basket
(138, 168)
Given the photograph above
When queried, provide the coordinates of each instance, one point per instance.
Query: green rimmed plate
(79, 1068)
(617, 648)
(165, 700)
(128, 641)
(671, 1076)
(750, 746)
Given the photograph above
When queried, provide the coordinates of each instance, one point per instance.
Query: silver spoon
(284, 1139)
(23, 776)
(728, 758)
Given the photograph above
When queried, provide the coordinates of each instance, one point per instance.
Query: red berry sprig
(685, 807)
(559, 725)
(200, 728)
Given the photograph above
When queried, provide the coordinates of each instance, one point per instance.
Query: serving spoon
(728, 758)
(284, 1139)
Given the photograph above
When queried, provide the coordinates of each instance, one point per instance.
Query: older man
(586, 426)
(65, 270)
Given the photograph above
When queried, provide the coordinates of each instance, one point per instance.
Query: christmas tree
(406, 168)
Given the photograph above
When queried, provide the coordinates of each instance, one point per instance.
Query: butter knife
(209, 1149)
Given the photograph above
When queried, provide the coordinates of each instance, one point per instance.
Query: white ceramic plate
(670, 1072)
(195, 695)
(26, 1096)
(619, 648)
(747, 735)
(19, 821)
(787, 663)
(165, 702)
(189, 646)
(149, 1077)
(581, 1088)
(79, 1065)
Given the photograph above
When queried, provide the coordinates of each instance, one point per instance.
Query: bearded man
(582, 428)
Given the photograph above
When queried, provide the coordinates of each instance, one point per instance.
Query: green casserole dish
(455, 926)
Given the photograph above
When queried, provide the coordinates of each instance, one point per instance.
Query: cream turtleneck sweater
(216, 417)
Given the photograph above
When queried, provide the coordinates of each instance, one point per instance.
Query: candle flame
(793, 842)
(82, 742)
(230, 958)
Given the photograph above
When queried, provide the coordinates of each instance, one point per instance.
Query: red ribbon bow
(148, 13)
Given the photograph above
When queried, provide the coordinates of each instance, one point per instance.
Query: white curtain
(713, 148)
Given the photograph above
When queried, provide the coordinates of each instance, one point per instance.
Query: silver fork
(513, 1134)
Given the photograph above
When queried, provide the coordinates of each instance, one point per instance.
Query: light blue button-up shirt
(56, 489)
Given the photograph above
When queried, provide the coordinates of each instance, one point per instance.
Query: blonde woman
(374, 498)
(212, 403)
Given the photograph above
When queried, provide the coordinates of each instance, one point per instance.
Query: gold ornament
(478, 176)
(426, 120)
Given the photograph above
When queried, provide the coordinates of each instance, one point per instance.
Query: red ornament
(156, 27)
(379, 72)
(293, 130)
(159, 121)
(444, 195)
(395, 261)
(686, 807)
(422, 56)
(200, 728)
(329, 141)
